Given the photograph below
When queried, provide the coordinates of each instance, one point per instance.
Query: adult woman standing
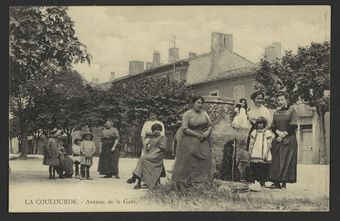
(284, 146)
(109, 153)
(193, 157)
(259, 110)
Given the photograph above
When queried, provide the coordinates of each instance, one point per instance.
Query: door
(306, 144)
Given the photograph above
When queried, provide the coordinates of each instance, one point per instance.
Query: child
(241, 118)
(51, 153)
(76, 156)
(240, 121)
(87, 150)
(259, 148)
(150, 167)
(61, 158)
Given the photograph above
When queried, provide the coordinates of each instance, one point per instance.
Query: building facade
(224, 73)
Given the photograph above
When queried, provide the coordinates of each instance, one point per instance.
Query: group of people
(266, 152)
(61, 163)
(266, 148)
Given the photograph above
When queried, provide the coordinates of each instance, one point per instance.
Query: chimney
(156, 59)
(277, 46)
(112, 76)
(272, 52)
(192, 55)
(136, 67)
(149, 65)
(173, 55)
(221, 41)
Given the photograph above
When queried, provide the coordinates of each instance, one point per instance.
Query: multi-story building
(224, 73)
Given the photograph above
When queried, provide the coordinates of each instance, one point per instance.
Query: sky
(114, 35)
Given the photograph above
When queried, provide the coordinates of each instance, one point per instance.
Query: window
(214, 93)
(239, 92)
(306, 127)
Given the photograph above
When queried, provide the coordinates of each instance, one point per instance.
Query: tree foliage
(42, 44)
(304, 76)
(134, 100)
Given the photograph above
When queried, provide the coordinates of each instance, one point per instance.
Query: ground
(29, 188)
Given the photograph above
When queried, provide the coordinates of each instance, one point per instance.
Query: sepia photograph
(169, 108)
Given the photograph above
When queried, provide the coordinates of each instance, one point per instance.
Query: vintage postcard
(169, 108)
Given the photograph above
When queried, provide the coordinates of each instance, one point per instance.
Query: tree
(135, 100)
(304, 76)
(42, 42)
(62, 104)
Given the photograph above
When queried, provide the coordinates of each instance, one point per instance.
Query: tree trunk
(24, 146)
(322, 140)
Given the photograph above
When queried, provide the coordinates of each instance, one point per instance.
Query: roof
(226, 63)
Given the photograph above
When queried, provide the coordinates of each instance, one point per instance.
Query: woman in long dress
(284, 146)
(193, 154)
(109, 154)
(150, 166)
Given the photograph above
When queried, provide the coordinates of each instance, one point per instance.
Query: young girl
(51, 153)
(87, 149)
(76, 156)
(259, 148)
(241, 122)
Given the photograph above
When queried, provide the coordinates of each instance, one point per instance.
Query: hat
(87, 133)
(55, 132)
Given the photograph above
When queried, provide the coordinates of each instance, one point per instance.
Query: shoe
(138, 186)
(108, 176)
(131, 180)
(275, 186)
(89, 178)
(117, 177)
(81, 178)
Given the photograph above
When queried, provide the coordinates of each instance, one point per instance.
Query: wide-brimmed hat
(55, 132)
(87, 133)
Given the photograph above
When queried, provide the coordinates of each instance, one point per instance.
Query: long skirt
(66, 165)
(284, 160)
(108, 160)
(193, 161)
(149, 171)
(260, 171)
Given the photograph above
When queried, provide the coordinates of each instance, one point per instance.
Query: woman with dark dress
(109, 153)
(284, 146)
(193, 154)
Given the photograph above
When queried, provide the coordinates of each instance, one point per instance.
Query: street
(30, 190)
